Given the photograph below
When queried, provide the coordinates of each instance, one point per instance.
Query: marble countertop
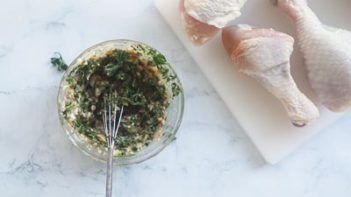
(211, 155)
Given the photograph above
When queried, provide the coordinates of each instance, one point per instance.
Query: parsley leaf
(57, 61)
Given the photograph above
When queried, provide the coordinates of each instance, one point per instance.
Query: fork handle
(109, 174)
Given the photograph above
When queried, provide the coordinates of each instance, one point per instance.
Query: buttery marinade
(137, 78)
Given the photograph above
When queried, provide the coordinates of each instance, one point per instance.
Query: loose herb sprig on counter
(58, 62)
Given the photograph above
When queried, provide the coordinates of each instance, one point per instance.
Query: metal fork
(111, 129)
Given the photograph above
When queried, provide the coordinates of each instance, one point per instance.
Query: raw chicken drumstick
(327, 53)
(198, 32)
(203, 19)
(264, 54)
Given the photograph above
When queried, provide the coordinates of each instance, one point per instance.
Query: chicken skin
(264, 54)
(327, 54)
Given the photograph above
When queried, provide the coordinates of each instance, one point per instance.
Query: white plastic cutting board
(259, 113)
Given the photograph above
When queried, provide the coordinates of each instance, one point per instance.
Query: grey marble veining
(211, 155)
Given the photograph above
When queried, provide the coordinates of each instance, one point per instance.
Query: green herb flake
(58, 62)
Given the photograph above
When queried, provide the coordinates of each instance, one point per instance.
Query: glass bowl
(173, 121)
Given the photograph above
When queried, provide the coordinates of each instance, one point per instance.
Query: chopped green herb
(176, 90)
(111, 69)
(68, 109)
(58, 62)
(159, 59)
